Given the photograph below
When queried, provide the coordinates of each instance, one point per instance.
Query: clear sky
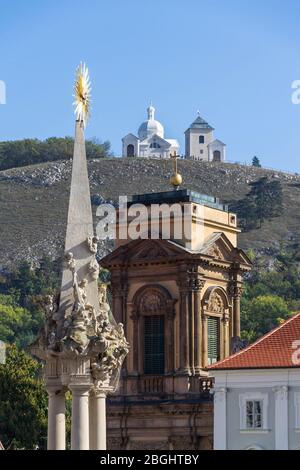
(233, 60)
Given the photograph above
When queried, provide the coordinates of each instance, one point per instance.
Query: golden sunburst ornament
(82, 94)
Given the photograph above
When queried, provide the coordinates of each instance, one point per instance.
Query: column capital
(54, 391)
(219, 394)
(80, 388)
(190, 281)
(234, 289)
(100, 392)
(280, 392)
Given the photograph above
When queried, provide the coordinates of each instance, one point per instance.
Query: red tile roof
(278, 348)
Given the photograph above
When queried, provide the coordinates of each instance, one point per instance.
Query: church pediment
(156, 138)
(155, 249)
(141, 250)
(220, 248)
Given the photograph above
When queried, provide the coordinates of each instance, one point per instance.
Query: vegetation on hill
(256, 162)
(25, 152)
(21, 293)
(23, 402)
(271, 293)
(263, 202)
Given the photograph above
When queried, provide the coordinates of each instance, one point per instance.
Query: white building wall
(281, 391)
(193, 147)
(216, 145)
(130, 139)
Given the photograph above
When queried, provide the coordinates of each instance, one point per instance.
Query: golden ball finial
(176, 178)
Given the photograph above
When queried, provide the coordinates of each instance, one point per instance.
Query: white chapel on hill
(200, 143)
(150, 141)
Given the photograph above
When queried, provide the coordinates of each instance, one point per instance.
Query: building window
(201, 151)
(154, 357)
(254, 414)
(213, 340)
(201, 139)
(154, 145)
(253, 411)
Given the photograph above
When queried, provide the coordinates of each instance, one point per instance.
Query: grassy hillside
(33, 200)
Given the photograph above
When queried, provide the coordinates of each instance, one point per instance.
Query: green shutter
(213, 339)
(154, 355)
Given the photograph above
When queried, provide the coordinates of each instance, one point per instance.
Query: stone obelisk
(82, 349)
(79, 227)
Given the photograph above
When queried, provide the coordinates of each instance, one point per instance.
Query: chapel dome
(151, 126)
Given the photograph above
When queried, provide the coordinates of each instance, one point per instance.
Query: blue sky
(233, 60)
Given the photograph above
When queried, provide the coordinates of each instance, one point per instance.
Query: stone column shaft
(191, 316)
(184, 332)
(197, 331)
(80, 417)
(97, 408)
(56, 420)
(204, 341)
(236, 316)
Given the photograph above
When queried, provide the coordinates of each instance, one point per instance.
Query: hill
(33, 200)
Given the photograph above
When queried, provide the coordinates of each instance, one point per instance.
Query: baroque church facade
(150, 142)
(179, 301)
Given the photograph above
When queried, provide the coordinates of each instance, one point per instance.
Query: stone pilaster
(119, 288)
(220, 424)
(184, 340)
(281, 418)
(204, 340)
(235, 291)
(197, 284)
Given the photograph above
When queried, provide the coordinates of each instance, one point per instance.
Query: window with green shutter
(213, 339)
(154, 354)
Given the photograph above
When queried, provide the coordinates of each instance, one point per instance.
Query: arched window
(153, 330)
(216, 324)
(201, 139)
(130, 150)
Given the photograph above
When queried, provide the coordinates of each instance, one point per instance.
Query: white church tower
(150, 141)
(200, 143)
